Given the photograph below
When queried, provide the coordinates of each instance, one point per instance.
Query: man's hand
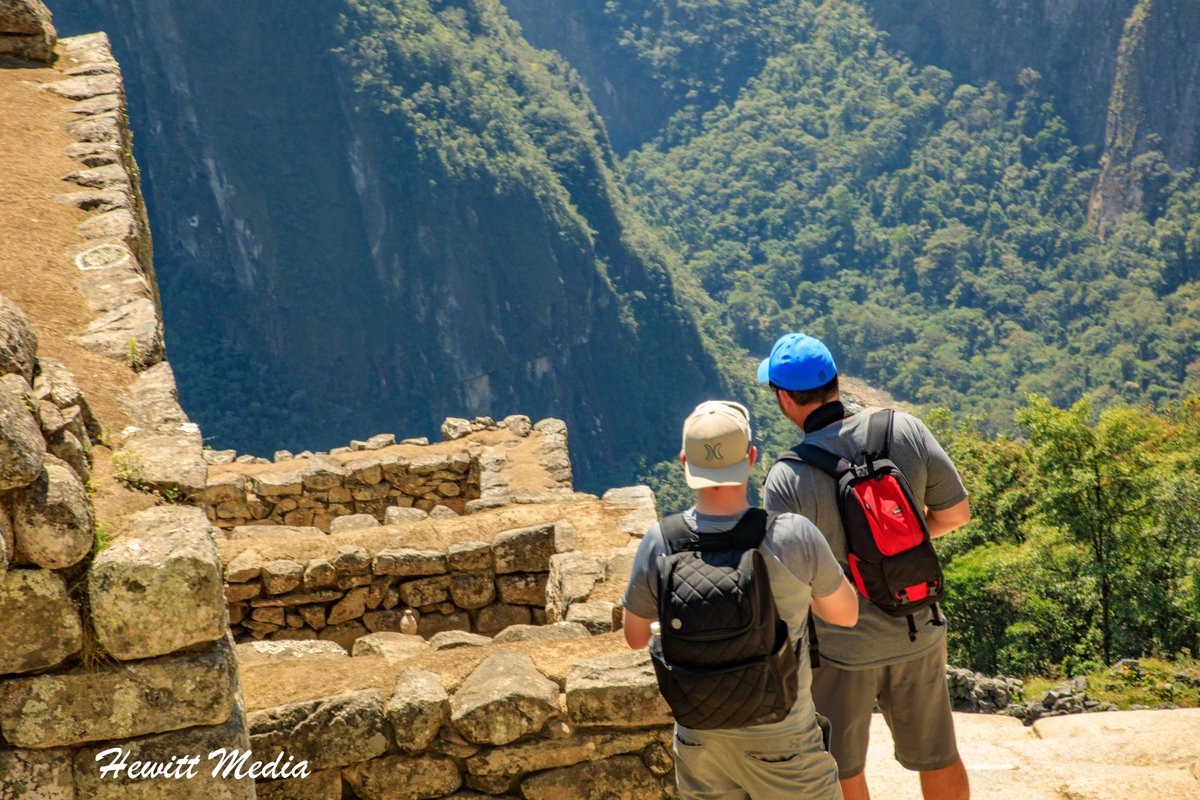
(839, 608)
(637, 630)
(942, 522)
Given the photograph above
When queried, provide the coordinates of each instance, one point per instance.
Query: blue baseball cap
(798, 362)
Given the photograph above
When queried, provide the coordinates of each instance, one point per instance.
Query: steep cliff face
(1076, 45)
(361, 240)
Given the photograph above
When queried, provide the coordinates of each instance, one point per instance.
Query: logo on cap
(713, 452)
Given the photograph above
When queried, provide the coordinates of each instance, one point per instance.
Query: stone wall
(120, 642)
(481, 587)
(96, 635)
(510, 729)
(26, 30)
(373, 476)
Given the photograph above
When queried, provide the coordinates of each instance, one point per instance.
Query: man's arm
(942, 522)
(637, 630)
(839, 608)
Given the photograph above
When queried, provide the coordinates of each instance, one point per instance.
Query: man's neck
(824, 415)
(723, 501)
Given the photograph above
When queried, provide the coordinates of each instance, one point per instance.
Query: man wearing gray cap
(786, 755)
(881, 659)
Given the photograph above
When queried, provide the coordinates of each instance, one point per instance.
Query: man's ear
(683, 459)
(753, 456)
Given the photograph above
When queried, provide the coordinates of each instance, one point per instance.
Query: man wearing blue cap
(877, 660)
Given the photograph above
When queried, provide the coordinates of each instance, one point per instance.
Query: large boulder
(22, 449)
(556, 632)
(524, 549)
(390, 645)
(504, 699)
(329, 732)
(572, 577)
(417, 710)
(40, 625)
(18, 342)
(170, 460)
(52, 518)
(129, 333)
(120, 701)
(620, 691)
(158, 589)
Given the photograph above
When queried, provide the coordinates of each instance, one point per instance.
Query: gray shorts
(765, 762)
(915, 703)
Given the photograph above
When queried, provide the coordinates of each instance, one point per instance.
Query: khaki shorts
(766, 762)
(915, 703)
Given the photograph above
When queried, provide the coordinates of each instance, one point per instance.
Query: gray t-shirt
(799, 563)
(877, 639)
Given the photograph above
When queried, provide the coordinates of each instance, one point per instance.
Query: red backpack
(892, 560)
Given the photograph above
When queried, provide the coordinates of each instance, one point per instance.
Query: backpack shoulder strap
(830, 463)
(677, 535)
(879, 433)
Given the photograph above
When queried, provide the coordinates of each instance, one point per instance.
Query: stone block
(204, 785)
(119, 701)
(522, 588)
(403, 777)
(344, 634)
(100, 128)
(325, 784)
(472, 589)
(390, 645)
(391, 621)
(22, 449)
(159, 588)
(620, 691)
(620, 778)
(596, 616)
(353, 522)
(319, 574)
(297, 598)
(443, 512)
(638, 505)
(36, 775)
(572, 578)
(253, 653)
(503, 699)
(452, 640)
(556, 632)
(497, 617)
(18, 341)
(239, 592)
(425, 591)
(407, 563)
(40, 624)
(469, 557)
(349, 607)
(329, 732)
(245, 566)
(418, 708)
(323, 473)
(281, 576)
(431, 624)
(224, 486)
(52, 518)
(399, 515)
(170, 460)
(352, 559)
(535, 756)
(270, 531)
(278, 483)
(367, 471)
(524, 549)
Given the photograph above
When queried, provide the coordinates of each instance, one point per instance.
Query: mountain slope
(372, 215)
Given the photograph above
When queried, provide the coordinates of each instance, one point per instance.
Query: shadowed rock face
(322, 281)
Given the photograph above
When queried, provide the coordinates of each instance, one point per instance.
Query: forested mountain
(371, 215)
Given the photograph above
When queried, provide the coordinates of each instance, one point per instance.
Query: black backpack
(726, 660)
(892, 560)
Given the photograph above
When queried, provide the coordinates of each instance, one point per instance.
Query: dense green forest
(936, 235)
